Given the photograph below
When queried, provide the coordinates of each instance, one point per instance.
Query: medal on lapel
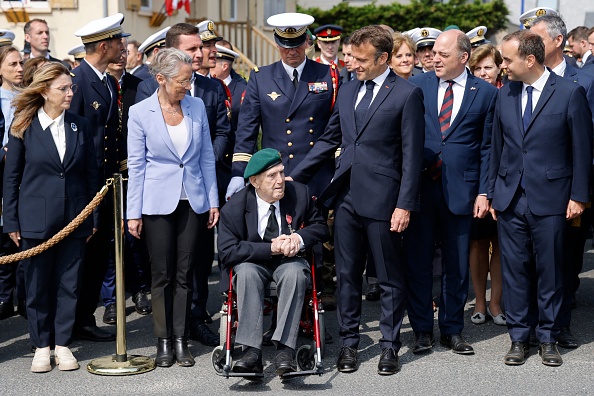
(74, 127)
(95, 105)
(273, 95)
(317, 87)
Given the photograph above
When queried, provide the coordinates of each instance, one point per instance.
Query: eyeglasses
(185, 83)
(67, 88)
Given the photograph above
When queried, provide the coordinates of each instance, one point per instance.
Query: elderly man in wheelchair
(263, 232)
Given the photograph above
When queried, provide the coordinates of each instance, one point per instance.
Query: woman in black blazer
(49, 177)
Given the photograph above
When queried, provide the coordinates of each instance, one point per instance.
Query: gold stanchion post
(121, 363)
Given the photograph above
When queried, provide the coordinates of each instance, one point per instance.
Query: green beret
(261, 161)
(451, 27)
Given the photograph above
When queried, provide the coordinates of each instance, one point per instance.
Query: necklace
(174, 111)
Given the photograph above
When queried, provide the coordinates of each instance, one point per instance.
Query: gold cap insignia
(541, 12)
(290, 30)
(424, 33)
(273, 95)
(95, 105)
(480, 32)
(328, 31)
(210, 26)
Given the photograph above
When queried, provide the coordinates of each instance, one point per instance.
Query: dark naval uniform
(291, 120)
(142, 72)
(98, 104)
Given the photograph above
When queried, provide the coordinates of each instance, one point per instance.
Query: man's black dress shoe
(423, 342)
(93, 333)
(457, 344)
(373, 292)
(22, 309)
(284, 360)
(347, 360)
(517, 354)
(142, 305)
(201, 333)
(388, 363)
(565, 339)
(6, 309)
(165, 354)
(250, 362)
(182, 354)
(550, 355)
(110, 314)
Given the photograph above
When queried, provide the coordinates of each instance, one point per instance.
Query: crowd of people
(416, 146)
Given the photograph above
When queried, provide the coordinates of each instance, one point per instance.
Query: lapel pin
(387, 86)
(74, 127)
(95, 105)
(273, 95)
(473, 88)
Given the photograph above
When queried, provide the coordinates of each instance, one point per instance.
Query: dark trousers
(52, 281)
(576, 234)
(531, 262)
(435, 218)
(172, 242)
(99, 248)
(350, 233)
(202, 269)
(11, 275)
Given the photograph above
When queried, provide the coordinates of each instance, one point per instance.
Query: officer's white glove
(236, 184)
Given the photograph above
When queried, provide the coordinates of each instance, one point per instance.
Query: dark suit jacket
(554, 154)
(142, 72)
(382, 162)
(291, 120)
(344, 76)
(465, 149)
(239, 241)
(213, 96)
(585, 80)
(93, 102)
(43, 194)
(129, 88)
(237, 87)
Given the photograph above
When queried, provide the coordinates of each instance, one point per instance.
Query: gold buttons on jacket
(311, 118)
(289, 144)
(311, 143)
(288, 120)
(288, 131)
(311, 131)
(291, 156)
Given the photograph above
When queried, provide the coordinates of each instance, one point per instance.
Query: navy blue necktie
(528, 110)
(361, 110)
(271, 230)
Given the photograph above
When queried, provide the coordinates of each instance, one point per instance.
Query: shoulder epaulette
(72, 74)
(256, 69)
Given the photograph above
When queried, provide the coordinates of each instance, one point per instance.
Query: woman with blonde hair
(403, 55)
(49, 177)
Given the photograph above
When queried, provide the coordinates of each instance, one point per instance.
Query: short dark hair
(463, 44)
(27, 27)
(590, 31)
(179, 29)
(377, 36)
(528, 44)
(346, 41)
(578, 33)
(135, 43)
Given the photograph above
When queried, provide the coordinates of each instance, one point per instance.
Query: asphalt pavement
(440, 372)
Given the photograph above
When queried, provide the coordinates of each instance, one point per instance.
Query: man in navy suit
(453, 189)
(553, 33)
(539, 175)
(97, 100)
(378, 125)
(577, 39)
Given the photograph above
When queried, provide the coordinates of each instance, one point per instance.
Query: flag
(170, 5)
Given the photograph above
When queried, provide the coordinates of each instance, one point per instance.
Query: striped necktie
(445, 114)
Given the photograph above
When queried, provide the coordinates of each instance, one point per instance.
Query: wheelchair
(308, 357)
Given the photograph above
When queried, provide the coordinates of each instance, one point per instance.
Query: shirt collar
(290, 69)
(265, 206)
(99, 74)
(228, 80)
(46, 120)
(461, 79)
(540, 83)
(379, 80)
(560, 68)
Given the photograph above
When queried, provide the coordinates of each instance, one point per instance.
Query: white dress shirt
(264, 214)
(290, 69)
(56, 127)
(560, 68)
(538, 86)
(379, 81)
(458, 88)
(179, 137)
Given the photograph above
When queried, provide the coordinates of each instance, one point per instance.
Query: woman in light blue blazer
(172, 194)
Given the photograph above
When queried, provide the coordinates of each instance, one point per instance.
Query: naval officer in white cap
(149, 48)
(97, 100)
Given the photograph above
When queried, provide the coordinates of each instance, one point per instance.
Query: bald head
(450, 54)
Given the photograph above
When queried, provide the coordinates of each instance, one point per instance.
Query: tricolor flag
(170, 5)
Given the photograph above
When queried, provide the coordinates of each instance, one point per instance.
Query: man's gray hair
(555, 26)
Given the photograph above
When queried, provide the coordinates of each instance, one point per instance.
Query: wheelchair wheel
(218, 359)
(305, 357)
(223, 329)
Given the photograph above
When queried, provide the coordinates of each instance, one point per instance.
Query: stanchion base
(109, 366)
